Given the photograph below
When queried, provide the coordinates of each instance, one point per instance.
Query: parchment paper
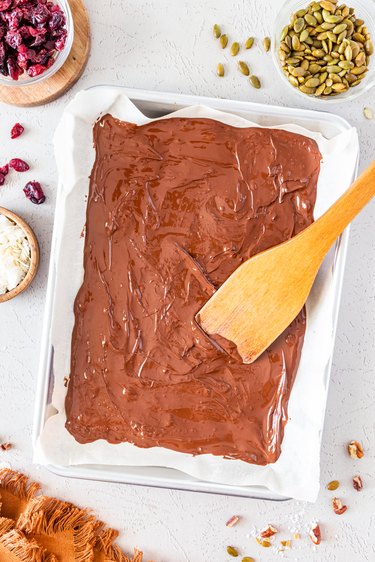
(296, 473)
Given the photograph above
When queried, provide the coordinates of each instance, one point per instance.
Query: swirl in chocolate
(175, 206)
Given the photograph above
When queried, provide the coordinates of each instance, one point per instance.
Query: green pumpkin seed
(220, 70)
(223, 41)
(348, 52)
(339, 28)
(330, 6)
(311, 20)
(322, 36)
(341, 37)
(267, 44)
(307, 90)
(318, 53)
(296, 43)
(299, 25)
(250, 42)
(255, 82)
(333, 69)
(299, 71)
(339, 87)
(293, 60)
(346, 64)
(284, 47)
(305, 64)
(318, 16)
(216, 31)
(243, 68)
(354, 84)
(369, 47)
(360, 59)
(284, 33)
(332, 19)
(312, 82)
(329, 82)
(315, 6)
(293, 81)
(327, 91)
(247, 559)
(327, 26)
(232, 551)
(304, 35)
(359, 37)
(323, 77)
(314, 68)
(320, 90)
(234, 49)
(358, 70)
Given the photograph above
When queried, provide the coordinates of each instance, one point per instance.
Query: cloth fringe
(6, 525)
(18, 484)
(49, 516)
(15, 542)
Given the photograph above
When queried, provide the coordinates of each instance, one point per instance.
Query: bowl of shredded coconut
(19, 255)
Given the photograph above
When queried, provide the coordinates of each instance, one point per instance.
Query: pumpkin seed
(293, 81)
(304, 35)
(250, 42)
(311, 20)
(216, 31)
(360, 59)
(314, 68)
(223, 41)
(234, 49)
(369, 47)
(339, 28)
(358, 70)
(359, 37)
(243, 68)
(332, 19)
(299, 25)
(368, 113)
(318, 16)
(267, 44)
(220, 70)
(320, 89)
(299, 71)
(339, 87)
(296, 43)
(307, 90)
(312, 82)
(348, 52)
(329, 82)
(232, 551)
(327, 91)
(284, 33)
(323, 77)
(255, 82)
(334, 69)
(330, 6)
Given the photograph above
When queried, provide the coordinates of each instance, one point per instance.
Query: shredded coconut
(14, 255)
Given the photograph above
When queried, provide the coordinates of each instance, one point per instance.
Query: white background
(167, 45)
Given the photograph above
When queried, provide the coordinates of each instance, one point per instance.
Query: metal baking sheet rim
(161, 477)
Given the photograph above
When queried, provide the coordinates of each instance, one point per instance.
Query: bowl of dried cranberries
(35, 39)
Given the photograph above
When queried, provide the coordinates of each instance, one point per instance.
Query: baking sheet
(296, 473)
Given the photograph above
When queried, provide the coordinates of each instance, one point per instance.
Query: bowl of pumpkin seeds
(325, 49)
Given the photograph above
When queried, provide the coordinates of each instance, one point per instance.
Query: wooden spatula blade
(252, 308)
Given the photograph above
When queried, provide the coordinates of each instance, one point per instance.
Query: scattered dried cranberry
(33, 191)
(19, 165)
(4, 169)
(32, 33)
(16, 131)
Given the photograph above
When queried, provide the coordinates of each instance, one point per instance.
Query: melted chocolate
(175, 206)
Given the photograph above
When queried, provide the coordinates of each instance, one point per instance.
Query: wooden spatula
(262, 297)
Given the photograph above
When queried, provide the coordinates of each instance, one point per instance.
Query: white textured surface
(167, 45)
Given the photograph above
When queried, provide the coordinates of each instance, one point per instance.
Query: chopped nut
(66, 381)
(232, 521)
(315, 534)
(355, 450)
(286, 544)
(368, 113)
(269, 531)
(296, 536)
(232, 551)
(6, 446)
(338, 506)
(333, 485)
(264, 542)
(357, 483)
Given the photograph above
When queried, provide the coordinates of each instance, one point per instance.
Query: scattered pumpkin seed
(368, 113)
(234, 49)
(223, 41)
(333, 485)
(255, 82)
(267, 44)
(232, 551)
(243, 68)
(249, 43)
(220, 70)
(248, 559)
(216, 31)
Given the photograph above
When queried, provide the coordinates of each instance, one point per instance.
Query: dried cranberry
(24, 31)
(4, 170)
(19, 165)
(33, 191)
(16, 131)
(60, 44)
(5, 5)
(14, 39)
(2, 179)
(40, 14)
(3, 30)
(57, 21)
(2, 53)
(13, 68)
(36, 70)
(14, 18)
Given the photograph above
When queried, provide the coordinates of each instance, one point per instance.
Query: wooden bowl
(34, 255)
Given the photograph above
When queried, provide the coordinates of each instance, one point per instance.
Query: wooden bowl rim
(34, 255)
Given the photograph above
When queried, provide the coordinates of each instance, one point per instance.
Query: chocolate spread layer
(174, 207)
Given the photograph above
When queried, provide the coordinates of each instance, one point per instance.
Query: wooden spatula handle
(330, 225)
